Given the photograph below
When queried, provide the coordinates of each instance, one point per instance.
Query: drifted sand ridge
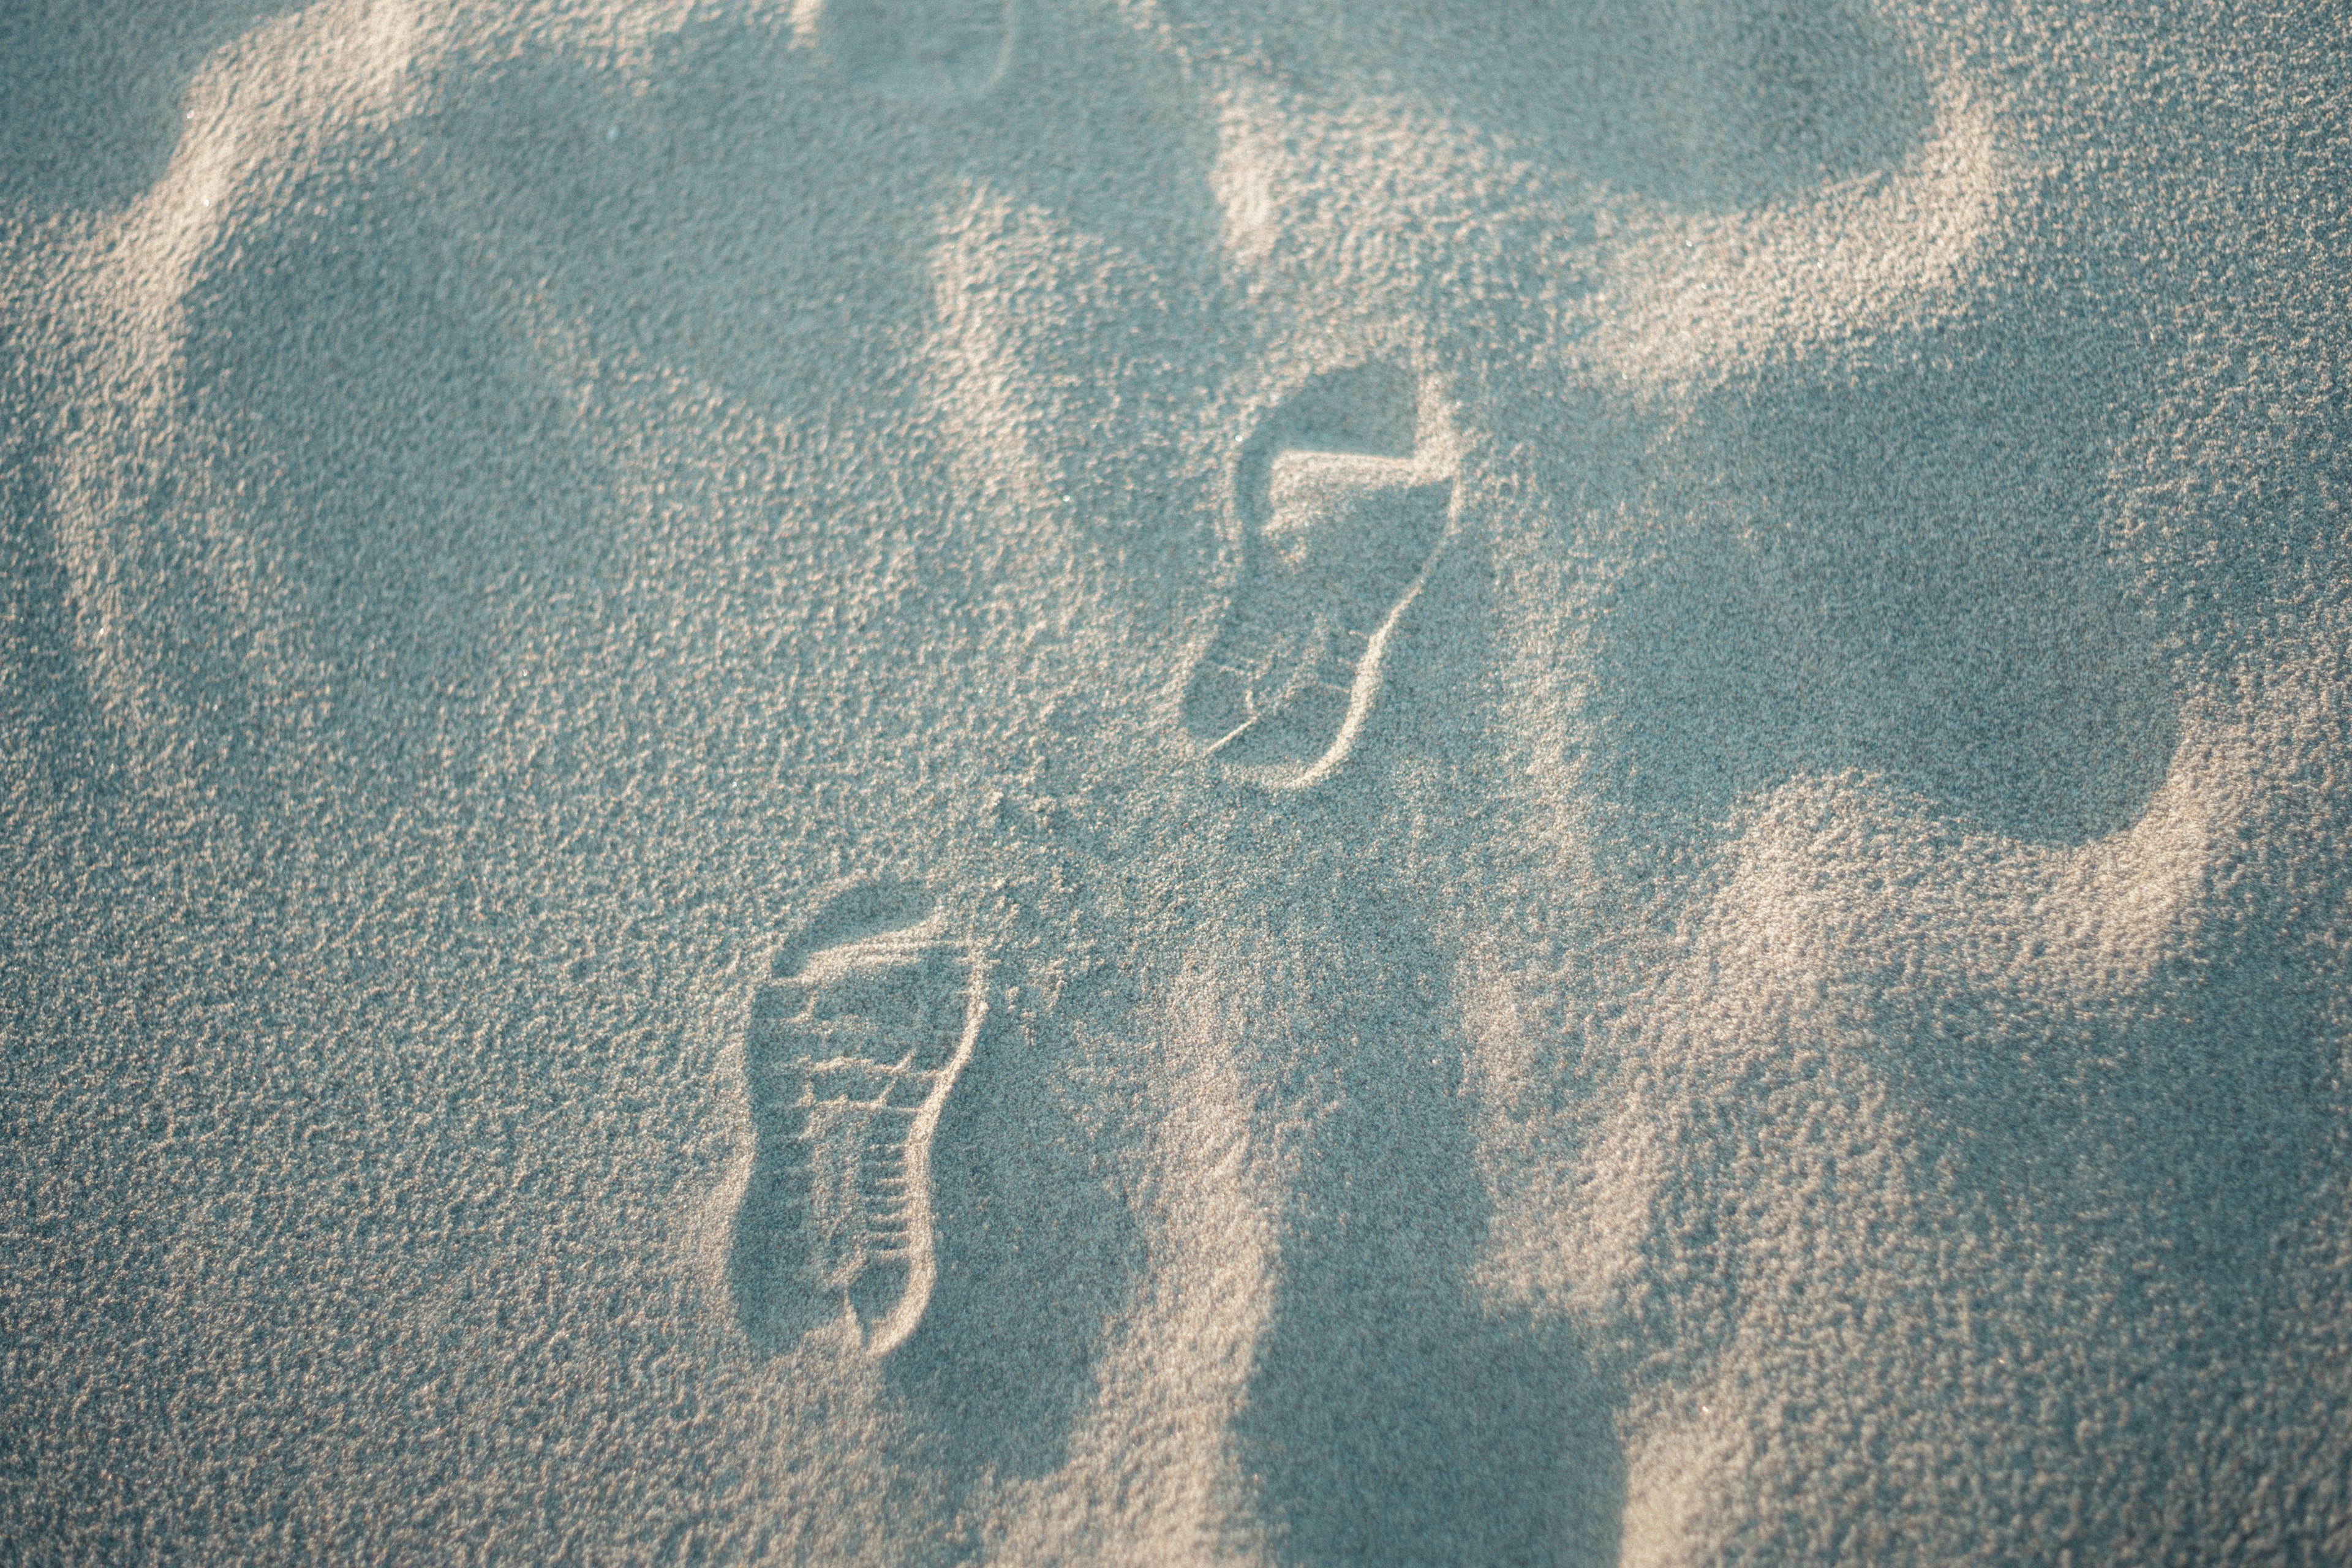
(941, 781)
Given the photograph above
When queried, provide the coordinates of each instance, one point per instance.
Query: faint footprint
(851, 1054)
(1345, 501)
(915, 48)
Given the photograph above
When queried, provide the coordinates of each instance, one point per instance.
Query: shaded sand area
(1175, 783)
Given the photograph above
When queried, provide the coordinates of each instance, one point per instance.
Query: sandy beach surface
(1174, 782)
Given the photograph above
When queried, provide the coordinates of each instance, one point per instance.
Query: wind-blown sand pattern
(1174, 782)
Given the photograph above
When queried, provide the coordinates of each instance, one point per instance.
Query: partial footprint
(850, 1057)
(1345, 502)
(916, 49)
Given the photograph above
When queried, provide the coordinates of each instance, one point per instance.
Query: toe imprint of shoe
(1340, 543)
(852, 1059)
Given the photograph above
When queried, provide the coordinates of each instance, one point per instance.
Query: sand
(1168, 781)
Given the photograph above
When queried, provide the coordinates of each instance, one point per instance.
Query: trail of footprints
(1346, 499)
(854, 1047)
(851, 1058)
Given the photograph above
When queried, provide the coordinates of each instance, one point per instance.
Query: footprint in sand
(916, 49)
(1344, 507)
(850, 1058)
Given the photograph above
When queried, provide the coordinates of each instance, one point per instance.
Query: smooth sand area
(1175, 781)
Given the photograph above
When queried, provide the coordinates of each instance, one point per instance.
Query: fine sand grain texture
(1170, 782)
